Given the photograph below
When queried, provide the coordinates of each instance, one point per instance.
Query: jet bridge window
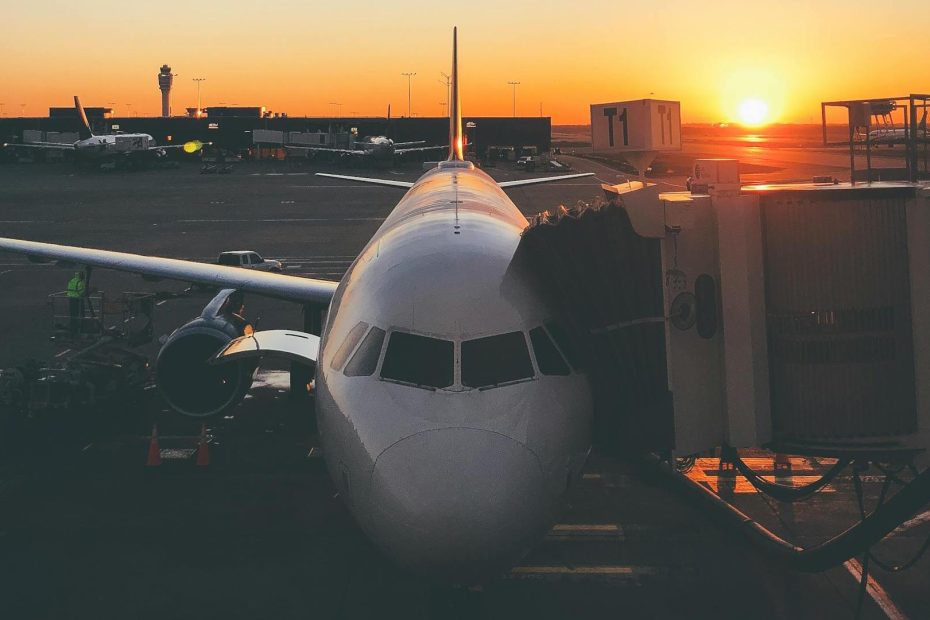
(548, 359)
(419, 360)
(348, 345)
(491, 361)
(365, 360)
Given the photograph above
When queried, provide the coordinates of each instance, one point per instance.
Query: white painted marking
(878, 593)
(161, 302)
(66, 351)
(7, 271)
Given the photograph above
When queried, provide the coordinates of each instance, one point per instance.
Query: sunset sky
(298, 56)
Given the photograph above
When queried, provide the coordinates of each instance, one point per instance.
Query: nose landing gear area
(264, 515)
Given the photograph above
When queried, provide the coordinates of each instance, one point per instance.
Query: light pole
(198, 80)
(1, 108)
(447, 80)
(514, 84)
(335, 106)
(128, 110)
(22, 110)
(443, 105)
(409, 76)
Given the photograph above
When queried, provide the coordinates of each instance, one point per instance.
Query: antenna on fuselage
(456, 139)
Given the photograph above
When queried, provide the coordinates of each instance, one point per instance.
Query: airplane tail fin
(84, 131)
(456, 138)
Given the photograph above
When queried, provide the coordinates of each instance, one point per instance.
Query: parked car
(248, 259)
(527, 162)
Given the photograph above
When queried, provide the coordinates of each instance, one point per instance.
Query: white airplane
(452, 417)
(376, 147)
(109, 146)
(892, 136)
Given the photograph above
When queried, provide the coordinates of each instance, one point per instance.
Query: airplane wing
(503, 184)
(325, 149)
(562, 177)
(414, 143)
(280, 286)
(387, 182)
(420, 148)
(56, 146)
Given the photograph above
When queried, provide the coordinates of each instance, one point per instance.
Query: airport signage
(641, 125)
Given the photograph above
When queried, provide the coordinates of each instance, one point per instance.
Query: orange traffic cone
(203, 448)
(154, 458)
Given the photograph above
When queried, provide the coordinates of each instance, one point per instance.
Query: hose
(827, 554)
(781, 492)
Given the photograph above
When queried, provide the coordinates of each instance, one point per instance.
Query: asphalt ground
(87, 531)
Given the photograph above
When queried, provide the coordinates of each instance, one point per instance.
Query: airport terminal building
(242, 129)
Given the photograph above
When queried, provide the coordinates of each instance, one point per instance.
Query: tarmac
(87, 531)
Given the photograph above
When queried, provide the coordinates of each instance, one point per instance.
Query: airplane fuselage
(447, 433)
(114, 144)
(378, 147)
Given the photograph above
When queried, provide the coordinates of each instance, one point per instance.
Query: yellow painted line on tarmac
(918, 520)
(576, 570)
(586, 527)
(737, 484)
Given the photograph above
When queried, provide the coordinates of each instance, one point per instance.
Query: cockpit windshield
(494, 360)
(419, 360)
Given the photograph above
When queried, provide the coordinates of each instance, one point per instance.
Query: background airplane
(108, 146)
(899, 135)
(452, 419)
(379, 148)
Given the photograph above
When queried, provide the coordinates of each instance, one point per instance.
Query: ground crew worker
(77, 289)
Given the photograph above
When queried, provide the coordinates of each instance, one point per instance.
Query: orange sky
(299, 56)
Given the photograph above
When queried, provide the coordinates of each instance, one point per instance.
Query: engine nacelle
(189, 384)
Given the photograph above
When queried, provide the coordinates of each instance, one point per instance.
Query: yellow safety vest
(76, 288)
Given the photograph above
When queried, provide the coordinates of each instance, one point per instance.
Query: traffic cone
(154, 458)
(203, 448)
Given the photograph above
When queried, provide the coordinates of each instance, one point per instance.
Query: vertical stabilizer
(456, 139)
(84, 130)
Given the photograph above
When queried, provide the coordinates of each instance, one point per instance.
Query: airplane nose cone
(458, 504)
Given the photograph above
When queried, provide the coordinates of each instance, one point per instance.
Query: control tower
(165, 78)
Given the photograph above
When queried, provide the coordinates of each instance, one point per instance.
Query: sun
(753, 112)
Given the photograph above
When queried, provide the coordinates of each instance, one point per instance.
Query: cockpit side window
(565, 342)
(348, 345)
(548, 359)
(419, 360)
(494, 360)
(365, 360)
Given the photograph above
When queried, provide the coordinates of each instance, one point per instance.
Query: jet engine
(189, 384)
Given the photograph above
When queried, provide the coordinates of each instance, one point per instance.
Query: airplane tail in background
(456, 138)
(84, 130)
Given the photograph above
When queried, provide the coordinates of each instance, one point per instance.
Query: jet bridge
(795, 316)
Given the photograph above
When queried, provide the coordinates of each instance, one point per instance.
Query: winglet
(84, 131)
(456, 138)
